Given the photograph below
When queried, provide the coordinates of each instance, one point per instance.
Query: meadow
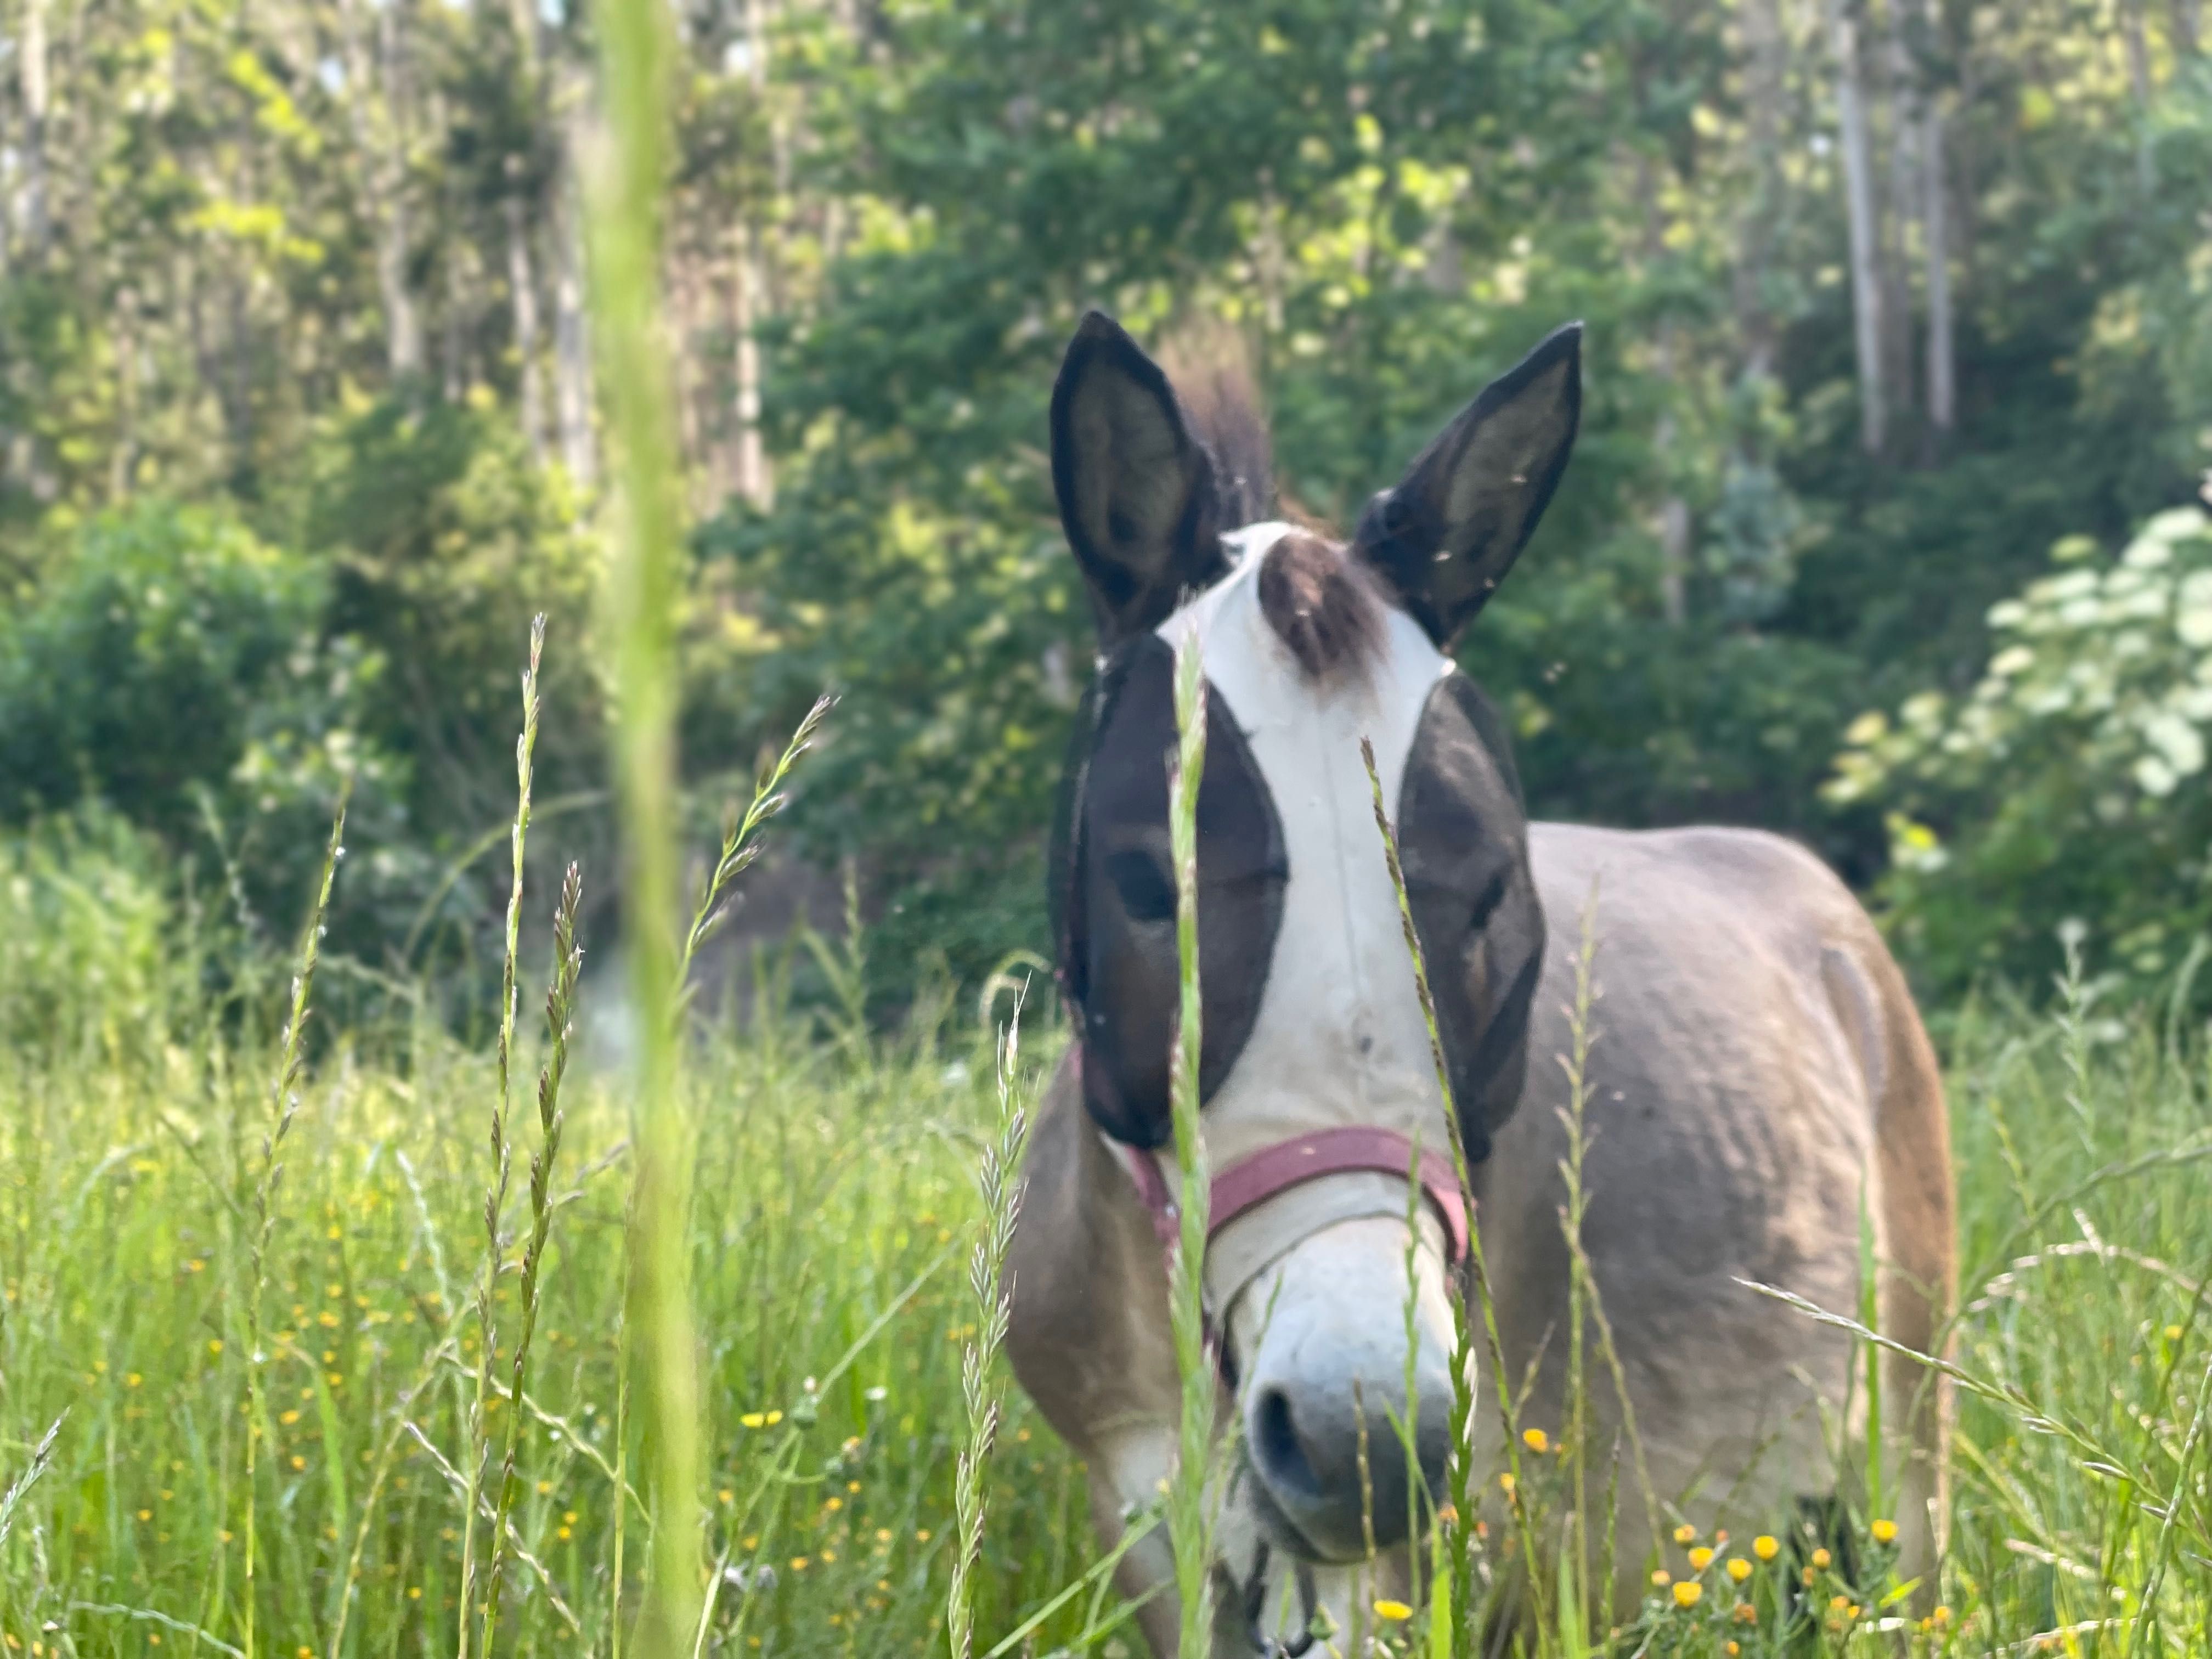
(378, 1332)
(835, 1207)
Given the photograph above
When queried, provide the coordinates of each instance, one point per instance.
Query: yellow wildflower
(1738, 1568)
(1764, 1547)
(1884, 1532)
(1395, 1611)
(1686, 1533)
(1536, 1440)
(1687, 1593)
(1701, 1558)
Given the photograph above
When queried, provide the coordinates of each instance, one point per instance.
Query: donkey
(1760, 1094)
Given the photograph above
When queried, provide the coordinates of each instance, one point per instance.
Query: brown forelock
(1320, 604)
(1210, 364)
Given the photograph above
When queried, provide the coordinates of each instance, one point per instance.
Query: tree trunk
(2137, 49)
(1859, 206)
(750, 476)
(1674, 510)
(38, 227)
(405, 324)
(522, 290)
(1765, 63)
(124, 461)
(750, 306)
(2138, 55)
(572, 344)
(1935, 243)
(695, 468)
(1898, 211)
(237, 382)
(2189, 26)
(376, 134)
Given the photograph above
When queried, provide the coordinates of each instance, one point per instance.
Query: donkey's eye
(1142, 881)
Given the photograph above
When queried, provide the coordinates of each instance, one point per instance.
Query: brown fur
(1320, 602)
(1759, 1063)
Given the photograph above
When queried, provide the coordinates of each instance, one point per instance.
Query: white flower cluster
(2108, 673)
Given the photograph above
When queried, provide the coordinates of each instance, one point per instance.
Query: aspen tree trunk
(2138, 56)
(124, 461)
(2137, 49)
(522, 288)
(750, 476)
(521, 265)
(1271, 262)
(1673, 511)
(1674, 518)
(1859, 207)
(23, 459)
(1765, 62)
(452, 374)
(1898, 213)
(1936, 244)
(572, 344)
(393, 241)
(753, 480)
(681, 284)
(376, 134)
(37, 227)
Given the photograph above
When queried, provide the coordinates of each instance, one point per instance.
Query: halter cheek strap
(1272, 1170)
(1256, 1178)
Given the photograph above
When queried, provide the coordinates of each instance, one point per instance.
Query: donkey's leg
(1088, 1335)
(1916, 1268)
(1919, 1287)
(1127, 1468)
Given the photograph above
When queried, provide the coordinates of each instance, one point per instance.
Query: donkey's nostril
(1275, 1442)
(1328, 1453)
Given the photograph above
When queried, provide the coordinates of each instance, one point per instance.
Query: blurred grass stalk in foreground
(625, 225)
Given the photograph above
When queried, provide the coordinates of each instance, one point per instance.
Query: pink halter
(1253, 1180)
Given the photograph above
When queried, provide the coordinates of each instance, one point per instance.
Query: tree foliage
(2068, 789)
(316, 265)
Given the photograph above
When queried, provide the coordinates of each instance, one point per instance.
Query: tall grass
(829, 1220)
(1188, 1528)
(502, 1152)
(635, 58)
(233, 1354)
(284, 1108)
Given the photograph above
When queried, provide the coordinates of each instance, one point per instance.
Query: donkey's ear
(1446, 535)
(1135, 487)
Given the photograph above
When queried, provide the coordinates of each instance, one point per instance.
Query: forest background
(1886, 528)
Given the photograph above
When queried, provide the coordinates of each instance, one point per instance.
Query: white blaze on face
(1339, 1040)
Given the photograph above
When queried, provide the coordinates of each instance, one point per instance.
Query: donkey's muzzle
(1341, 1457)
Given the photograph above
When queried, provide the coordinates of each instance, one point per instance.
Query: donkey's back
(1761, 1097)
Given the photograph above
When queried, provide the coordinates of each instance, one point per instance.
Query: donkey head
(1311, 1020)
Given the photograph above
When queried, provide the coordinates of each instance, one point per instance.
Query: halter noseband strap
(1253, 1180)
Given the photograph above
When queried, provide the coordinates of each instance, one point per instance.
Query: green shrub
(133, 674)
(444, 539)
(92, 962)
(174, 669)
(2068, 788)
